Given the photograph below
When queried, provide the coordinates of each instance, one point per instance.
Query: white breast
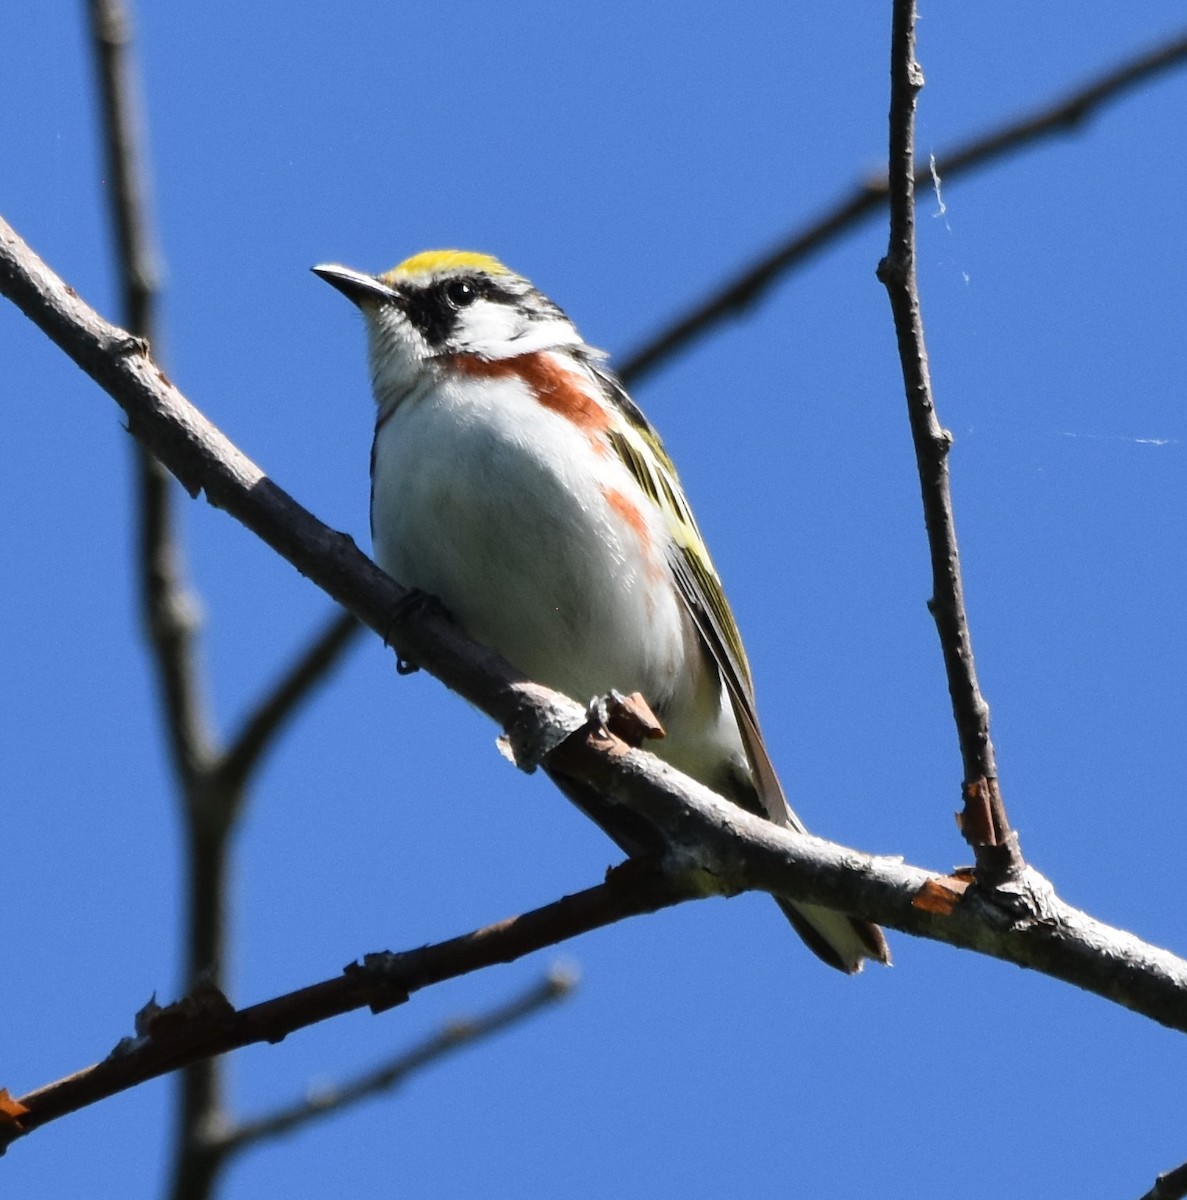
(506, 511)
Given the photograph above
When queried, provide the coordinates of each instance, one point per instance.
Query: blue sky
(625, 159)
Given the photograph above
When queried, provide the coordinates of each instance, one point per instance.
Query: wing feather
(640, 448)
(840, 940)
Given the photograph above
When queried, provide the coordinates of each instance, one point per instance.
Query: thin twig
(984, 819)
(212, 785)
(866, 198)
(123, 142)
(206, 1024)
(556, 985)
(1170, 1185)
(171, 612)
(261, 726)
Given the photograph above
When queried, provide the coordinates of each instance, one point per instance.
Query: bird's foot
(415, 603)
(627, 717)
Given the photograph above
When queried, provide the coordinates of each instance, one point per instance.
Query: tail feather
(841, 941)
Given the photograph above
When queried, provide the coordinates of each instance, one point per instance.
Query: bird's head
(443, 303)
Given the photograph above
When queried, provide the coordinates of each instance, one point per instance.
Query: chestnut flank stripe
(555, 387)
(629, 511)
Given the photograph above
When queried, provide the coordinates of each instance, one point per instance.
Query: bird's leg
(415, 603)
(627, 717)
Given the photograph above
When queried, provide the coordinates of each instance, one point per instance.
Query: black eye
(459, 293)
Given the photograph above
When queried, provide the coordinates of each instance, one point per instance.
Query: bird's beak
(356, 286)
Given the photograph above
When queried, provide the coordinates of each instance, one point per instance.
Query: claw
(627, 717)
(415, 603)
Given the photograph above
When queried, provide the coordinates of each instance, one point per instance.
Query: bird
(514, 480)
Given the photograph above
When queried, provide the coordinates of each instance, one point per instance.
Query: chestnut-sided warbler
(514, 479)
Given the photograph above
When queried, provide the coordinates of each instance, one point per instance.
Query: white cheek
(485, 323)
(496, 330)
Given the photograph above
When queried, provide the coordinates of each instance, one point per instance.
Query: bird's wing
(701, 590)
(640, 448)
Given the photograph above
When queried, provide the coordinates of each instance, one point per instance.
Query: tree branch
(205, 1024)
(123, 144)
(716, 847)
(171, 613)
(1170, 1185)
(866, 198)
(558, 984)
(211, 783)
(983, 821)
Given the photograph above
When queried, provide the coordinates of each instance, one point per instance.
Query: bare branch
(171, 613)
(123, 143)
(1170, 1185)
(277, 706)
(556, 985)
(172, 618)
(716, 847)
(866, 198)
(205, 1024)
(212, 784)
(984, 819)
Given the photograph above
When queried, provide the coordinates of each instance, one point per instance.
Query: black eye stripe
(434, 309)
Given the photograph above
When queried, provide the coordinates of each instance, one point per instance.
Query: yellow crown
(430, 262)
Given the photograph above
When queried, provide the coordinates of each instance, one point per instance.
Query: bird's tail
(841, 941)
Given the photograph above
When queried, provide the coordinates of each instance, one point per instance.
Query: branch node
(131, 345)
(540, 722)
(941, 895)
(383, 976)
(203, 1011)
(890, 271)
(985, 827)
(12, 1124)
